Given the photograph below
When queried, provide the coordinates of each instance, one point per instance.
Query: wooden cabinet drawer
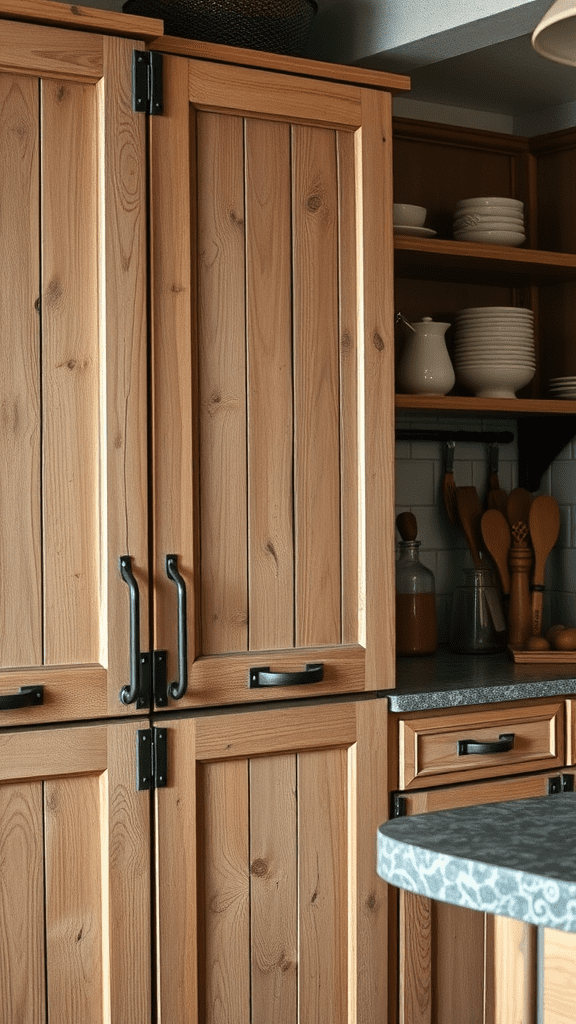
(431, 748)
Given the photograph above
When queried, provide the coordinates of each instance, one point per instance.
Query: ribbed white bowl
(491, 381)
(464, 204)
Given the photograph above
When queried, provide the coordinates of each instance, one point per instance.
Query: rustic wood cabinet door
(72, 367)
(269, 907)
(461, 965)
(272, 378)
(75, 870)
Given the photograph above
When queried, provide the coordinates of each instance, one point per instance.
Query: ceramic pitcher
(425, 367)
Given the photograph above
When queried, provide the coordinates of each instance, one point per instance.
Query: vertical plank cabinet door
(272, 380)
(461, 965)
(72, 368)
(269, 907)
(75, 870)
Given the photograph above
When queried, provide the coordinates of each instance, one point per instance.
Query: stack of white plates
(562, 387)
(494, 352)
(490, 219)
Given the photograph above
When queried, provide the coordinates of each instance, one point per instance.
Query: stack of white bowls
(494, 352)
(562, 387)
(490, 219)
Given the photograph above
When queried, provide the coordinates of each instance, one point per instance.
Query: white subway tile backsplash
(564, 481)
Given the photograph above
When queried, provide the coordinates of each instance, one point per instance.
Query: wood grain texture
(317, 440)
(51, 52)
(414, 959)
(273, 888)
(20, 509)
(72, 16)
(270, 384)
(22, 947)
(428, 746)
(222, 383)
(512, 971)
(559, 977)
(73, 899)
(70, 373)
(268, 788)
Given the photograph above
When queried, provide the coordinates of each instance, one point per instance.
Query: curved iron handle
(178, 689)
(313, 673)
(129, 694)
(499, 746)
(26, 697)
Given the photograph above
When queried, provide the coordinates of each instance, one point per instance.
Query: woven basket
(277, 26)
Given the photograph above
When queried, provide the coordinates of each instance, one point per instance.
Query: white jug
(425, 368)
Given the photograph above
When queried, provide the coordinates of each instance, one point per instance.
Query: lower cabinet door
(74, 877)
(458, 966)
(270, 910)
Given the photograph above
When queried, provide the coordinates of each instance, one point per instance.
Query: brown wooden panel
(316, 348)
(52, 52)
(73, 900)
(511, 971)
(270, 386)
(323, 822)
(274, 889)
(559, 977)
(415, 959)
(86, 18)
(22, 992)
(71, 373)
(457, 962)
(20, 541)
(224, 888)
(222, 383)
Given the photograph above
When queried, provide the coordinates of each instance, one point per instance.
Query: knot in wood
(314, 203)
(378, 342)
(259, 867)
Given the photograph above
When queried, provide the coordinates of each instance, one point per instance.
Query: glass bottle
(416, 622)
(477, 623)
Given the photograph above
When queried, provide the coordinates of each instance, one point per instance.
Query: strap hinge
(147, 88)
(151, 758)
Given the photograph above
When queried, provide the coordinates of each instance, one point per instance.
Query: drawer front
(441, 749)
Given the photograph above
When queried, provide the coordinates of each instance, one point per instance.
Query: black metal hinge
(147, 91)
(561, 784)
(397, 805)
(151, 758)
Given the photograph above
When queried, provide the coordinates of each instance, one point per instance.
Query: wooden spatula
(496, 497)
(497, 539)
(519, 502)
(470, 514)
(544, 525)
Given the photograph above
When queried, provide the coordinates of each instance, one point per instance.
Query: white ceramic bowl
(515, 204)
(494, 381)
(491, 223)
(494, 360)
(493, 351)
(405, 215)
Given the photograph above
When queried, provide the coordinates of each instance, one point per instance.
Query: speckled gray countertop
(515, 859)
(445, 680)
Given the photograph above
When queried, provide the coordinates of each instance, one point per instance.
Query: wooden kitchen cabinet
(72, 365)
(272, 373)
(268, 825)
(75, 869)
(449, 958)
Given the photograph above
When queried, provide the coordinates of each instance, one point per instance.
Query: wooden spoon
(544, 525)
(497, 539)
(519, 502)
(470, 514)
(407, 525)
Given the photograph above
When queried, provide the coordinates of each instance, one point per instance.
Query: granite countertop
(445, 680)
(515, 859)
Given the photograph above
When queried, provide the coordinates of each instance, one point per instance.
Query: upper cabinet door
(73, 473)
(272, 381)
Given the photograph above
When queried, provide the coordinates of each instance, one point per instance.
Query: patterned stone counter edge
(515, 859)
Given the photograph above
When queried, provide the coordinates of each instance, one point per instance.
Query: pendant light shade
(555, 36)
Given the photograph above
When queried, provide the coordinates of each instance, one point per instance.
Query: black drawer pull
(178, 689)
(499, 746)
(27, 697)
(313, 673)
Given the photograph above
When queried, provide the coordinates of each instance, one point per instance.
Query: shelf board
(508, 407)
(443, 259)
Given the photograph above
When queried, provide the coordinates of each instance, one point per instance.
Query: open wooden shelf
(443, 259)
(508, 407)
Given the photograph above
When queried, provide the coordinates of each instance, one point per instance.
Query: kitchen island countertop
(516, 859)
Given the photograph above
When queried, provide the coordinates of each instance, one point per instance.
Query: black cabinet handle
(313, 673)
(499, 746)
(178, 689)
(138, 689)
(26, 697)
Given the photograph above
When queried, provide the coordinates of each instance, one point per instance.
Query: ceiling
(508, 77)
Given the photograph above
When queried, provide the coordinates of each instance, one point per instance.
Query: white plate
(407, 229)
(491, 237)
(470, 348)
(560, 381)
(517, 204)
(496, 310)
(488, 224)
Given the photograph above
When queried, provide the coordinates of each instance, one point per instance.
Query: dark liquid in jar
(416, 628)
